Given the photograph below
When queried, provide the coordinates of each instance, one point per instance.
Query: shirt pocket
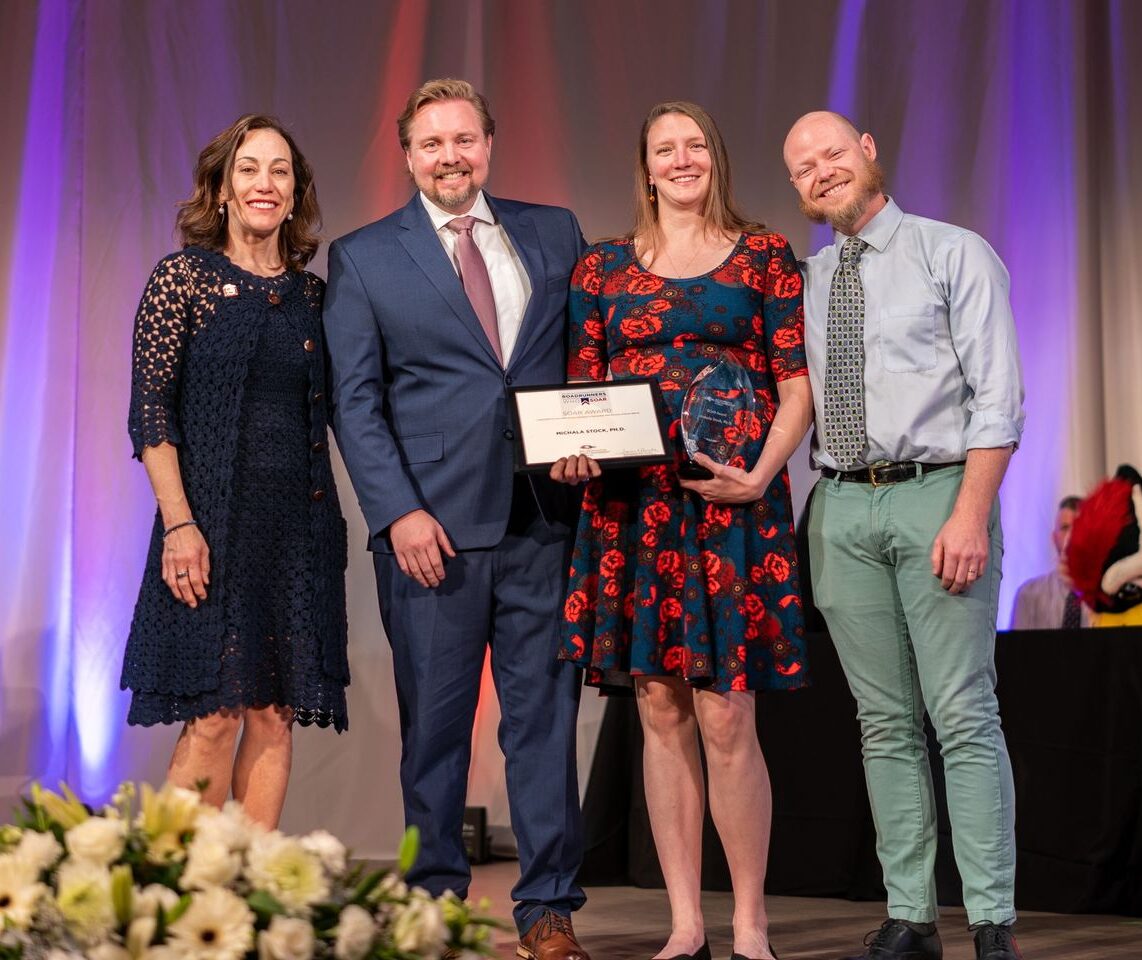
(908, 338)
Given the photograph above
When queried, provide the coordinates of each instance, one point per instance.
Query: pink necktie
(474, 276)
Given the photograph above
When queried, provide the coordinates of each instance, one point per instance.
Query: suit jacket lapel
(427, 252)
(522, 232)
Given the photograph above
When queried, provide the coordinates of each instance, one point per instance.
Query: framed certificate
(618, 422)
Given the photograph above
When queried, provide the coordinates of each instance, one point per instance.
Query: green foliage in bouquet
(159, 875)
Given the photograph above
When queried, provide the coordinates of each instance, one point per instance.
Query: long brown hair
(200, 224)
(719, 212)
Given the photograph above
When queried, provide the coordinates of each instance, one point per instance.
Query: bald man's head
(833, 168)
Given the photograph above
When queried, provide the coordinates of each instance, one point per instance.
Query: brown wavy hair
(435, 91)
(720, 211)
(200, 224)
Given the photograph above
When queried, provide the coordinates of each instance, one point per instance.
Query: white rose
(356, 930)
(287, 938)
(41, 850)
(97, 839)
(328, 848)
(231, 825)
(146, 902)
(419, 927)
(209, 863)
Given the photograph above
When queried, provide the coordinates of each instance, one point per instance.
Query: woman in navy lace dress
(688, 590)
(239, 629)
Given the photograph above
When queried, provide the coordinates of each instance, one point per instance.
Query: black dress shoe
(702, 953)
(895, 940)
(993, 942)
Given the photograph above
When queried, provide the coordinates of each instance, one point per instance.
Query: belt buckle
(879, 465)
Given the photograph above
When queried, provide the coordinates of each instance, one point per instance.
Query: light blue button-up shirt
(941, 371)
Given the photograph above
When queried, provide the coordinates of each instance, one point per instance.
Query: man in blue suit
(430, 315)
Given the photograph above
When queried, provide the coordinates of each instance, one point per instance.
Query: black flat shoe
(739, 956)
(702, 954)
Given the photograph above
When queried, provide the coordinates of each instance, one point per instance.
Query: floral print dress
(662, 582)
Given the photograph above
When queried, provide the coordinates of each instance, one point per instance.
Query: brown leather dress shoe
(550, 938)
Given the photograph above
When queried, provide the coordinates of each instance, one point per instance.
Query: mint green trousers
(908, 646)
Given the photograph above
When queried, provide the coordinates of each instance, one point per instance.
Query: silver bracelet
(179, 526)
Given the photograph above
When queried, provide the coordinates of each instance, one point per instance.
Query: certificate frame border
(610, 463)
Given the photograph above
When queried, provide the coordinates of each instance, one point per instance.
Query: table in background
(1071, 703)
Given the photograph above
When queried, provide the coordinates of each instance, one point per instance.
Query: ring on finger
(182, 574)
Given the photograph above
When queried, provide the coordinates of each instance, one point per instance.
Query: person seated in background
(1048, 602)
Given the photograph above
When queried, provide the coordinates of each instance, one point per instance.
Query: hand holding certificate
(617, 422)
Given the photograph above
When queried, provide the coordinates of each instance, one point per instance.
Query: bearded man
(918, 406)
(431, 314)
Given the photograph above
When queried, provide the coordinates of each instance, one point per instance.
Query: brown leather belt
(886, 472)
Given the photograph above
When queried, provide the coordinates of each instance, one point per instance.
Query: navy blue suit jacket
(420, 406)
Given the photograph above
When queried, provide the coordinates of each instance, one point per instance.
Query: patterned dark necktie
(1072, 612)
(844, 359)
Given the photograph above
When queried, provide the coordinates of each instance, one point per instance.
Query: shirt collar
(878, 232)
(439, 217)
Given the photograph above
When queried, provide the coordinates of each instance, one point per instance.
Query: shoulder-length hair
(720, 211)
(200, 224)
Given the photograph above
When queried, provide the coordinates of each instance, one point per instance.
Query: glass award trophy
(717, 413)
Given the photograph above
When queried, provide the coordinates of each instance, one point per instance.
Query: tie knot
(850, 252)
(461, 224)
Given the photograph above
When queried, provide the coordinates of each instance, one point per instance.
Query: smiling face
(260, 194)
(448, 154)
(834, 171)
(678, 161)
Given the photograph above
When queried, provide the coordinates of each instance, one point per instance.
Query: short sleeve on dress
(162, 325)
(784, 312)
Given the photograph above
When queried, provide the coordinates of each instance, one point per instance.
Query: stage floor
(628, 923)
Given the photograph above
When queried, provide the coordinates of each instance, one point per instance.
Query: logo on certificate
(585, 403)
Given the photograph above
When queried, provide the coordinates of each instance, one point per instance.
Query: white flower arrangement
(159, 875)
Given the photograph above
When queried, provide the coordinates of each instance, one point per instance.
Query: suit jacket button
(310, 346)
(274, 299)
(509, 435)
(317, 496)
(318, 397)
(319, 446)
(508, 380)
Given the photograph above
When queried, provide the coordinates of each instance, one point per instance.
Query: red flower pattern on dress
(660, 580)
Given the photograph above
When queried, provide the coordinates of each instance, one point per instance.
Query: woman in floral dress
(688, 590)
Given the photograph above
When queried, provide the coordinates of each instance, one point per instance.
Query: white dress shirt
(511, 286)
(941, 371)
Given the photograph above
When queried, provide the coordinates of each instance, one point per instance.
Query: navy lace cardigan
(195, 331)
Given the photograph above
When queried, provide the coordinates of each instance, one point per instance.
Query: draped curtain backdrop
(1021, 119)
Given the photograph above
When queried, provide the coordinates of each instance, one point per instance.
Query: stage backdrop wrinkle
(1020, 120)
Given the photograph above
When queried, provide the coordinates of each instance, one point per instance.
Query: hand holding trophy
(717, 411)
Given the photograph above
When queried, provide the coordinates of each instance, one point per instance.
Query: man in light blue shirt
(918, 406)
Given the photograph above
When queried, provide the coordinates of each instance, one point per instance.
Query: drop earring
(289, 216)
(222, 210)
(653, 195)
